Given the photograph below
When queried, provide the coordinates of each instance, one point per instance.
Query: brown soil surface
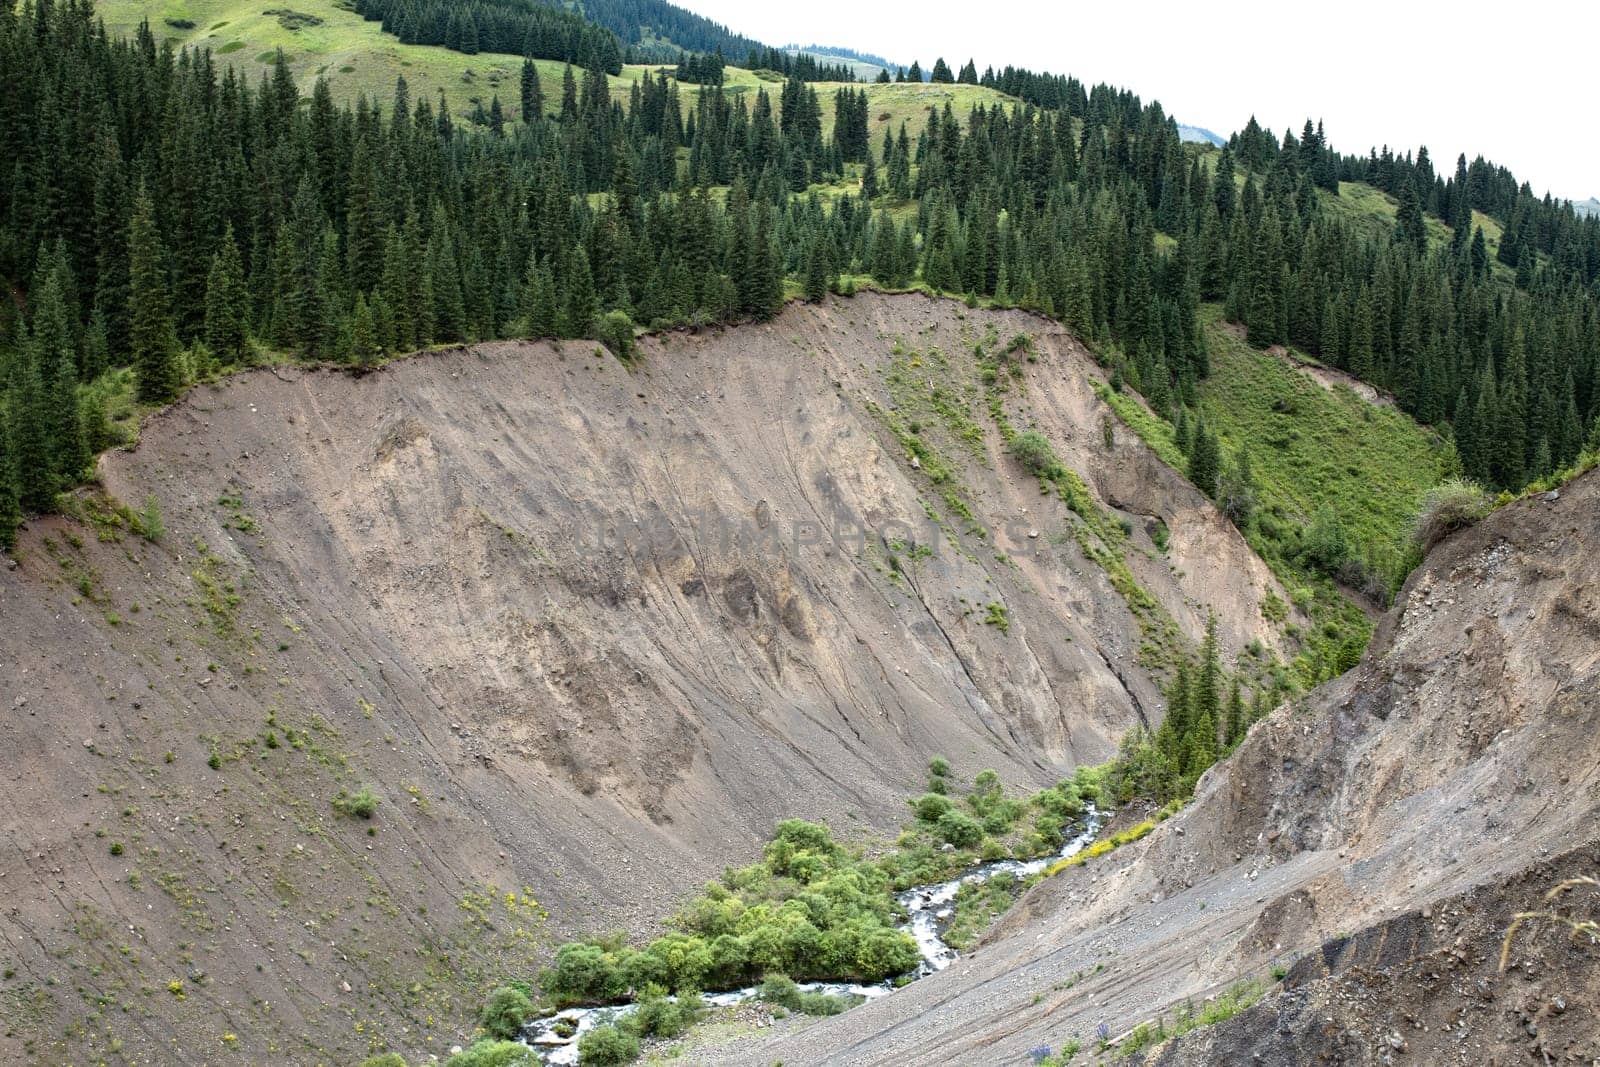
(395, 581)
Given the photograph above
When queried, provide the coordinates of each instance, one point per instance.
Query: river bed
(930, 909)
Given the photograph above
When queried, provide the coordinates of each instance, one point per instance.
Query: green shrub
(361, 804)
(493, 1054)
(614, 329)
(930, 807)
(147, 522)
(939, 767)
(822, 1004)
(1448, 507)
(584, 973)
(505, 1013)
(386, 1059)
(659, 1017)
(606, 1045)
(780, 989)
(1325, 547)
(959, 829)
(1035, 453)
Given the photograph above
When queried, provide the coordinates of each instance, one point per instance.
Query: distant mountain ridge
(843, 53)
(1590, 206)
(864, 65)
(1200, 135)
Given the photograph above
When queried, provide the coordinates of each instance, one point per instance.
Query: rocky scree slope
(584, 631)
(1419, 801)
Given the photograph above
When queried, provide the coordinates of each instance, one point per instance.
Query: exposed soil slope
(494, 585)
(1440, 779)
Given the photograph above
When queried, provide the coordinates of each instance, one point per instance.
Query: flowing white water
(930, 909)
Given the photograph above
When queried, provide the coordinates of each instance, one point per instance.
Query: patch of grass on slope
(1370, 206)
(355, 55)
(1316, 452)
(358, 57)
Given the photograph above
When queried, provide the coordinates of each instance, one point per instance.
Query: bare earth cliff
(588, 631)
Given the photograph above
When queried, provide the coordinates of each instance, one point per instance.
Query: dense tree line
(807, 68)
(655, 31)
(163, 216)
(701, 69)
(1513, 368)
(515, 27)
(604, 35)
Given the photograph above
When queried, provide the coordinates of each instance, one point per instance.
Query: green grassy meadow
(357, 57)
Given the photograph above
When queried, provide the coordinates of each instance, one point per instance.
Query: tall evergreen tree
(227, 303)
(152, 338)
(10, 510)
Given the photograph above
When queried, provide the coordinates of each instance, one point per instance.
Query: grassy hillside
(1318, 449)
(356, 55)
(1374, 207)
(329, 40)
(1315, 446)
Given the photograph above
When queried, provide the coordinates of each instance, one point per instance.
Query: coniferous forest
(166, 219)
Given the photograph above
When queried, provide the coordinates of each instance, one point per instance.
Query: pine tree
(1180, 701)
(817, 272)
(364, 222)
(1208, 686)
(10, 509)
(1205, 458)
(869, 180)
(227, 303)
(1410, 229)
(538, 301)
(1236, 724)
(364, 349)
(581, 305)
(69, 452)
(1361, 363)
(766, 268)
(532, 92)
(152, 338)
(1200, 747)
(30, 439)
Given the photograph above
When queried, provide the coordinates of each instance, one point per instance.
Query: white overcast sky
(1515, 83)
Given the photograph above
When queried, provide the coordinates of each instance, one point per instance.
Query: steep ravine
(553, 610)
(1417, 803)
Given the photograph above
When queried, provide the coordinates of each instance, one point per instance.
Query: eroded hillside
(587, 631)
(1376, 839)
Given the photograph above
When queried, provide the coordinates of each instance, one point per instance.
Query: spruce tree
(532, 92)
(30, 439)
(364, 349)
(580, 306)
(817, 273)
(1208, 686)
(1205, 458)
(227, 303)
(10, 509)
(869, 180)
(152, 338)
(1236, 724)
(69, 452)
